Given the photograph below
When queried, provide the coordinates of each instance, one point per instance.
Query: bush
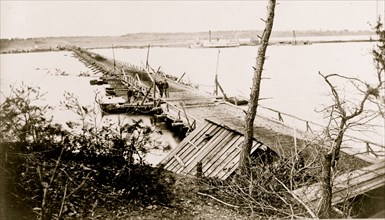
(263, 193)
(51, 172)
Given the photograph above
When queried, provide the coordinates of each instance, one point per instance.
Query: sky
(111, 18)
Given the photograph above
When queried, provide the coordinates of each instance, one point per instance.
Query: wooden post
(199, 173)
(113, 55)
(218, 85)
(154, 85)
(209, 36)
(216, 74)
(280, 117)
(295, 40)
(148, 53)
(308, 126)
(370, 150)
(181, 77)
(145, 97)
(194, 124)
(185, 114)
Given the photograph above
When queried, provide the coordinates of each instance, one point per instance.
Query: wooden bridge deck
(223, 122)
(199, 106)
(195, 108)
(346, 186)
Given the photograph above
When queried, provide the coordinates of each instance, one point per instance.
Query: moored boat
(128, 108)
(98, 82)
(237, 100)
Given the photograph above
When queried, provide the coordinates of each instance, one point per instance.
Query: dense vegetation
(53, 172)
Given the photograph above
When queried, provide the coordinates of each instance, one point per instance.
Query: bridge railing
(371, 148)
(181, 115)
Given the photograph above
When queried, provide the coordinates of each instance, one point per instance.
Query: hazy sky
(93, 18)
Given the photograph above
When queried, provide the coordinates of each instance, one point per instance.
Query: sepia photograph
(211, 109)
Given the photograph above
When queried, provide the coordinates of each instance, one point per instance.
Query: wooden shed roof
(215, 145)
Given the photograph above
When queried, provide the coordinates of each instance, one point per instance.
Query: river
(291, 82)
(45, 70)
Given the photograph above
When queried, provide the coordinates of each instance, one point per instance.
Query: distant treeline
(243, 34)
(194, 35)
(155, 39)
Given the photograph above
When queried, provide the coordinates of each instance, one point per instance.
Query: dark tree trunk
(244, 162)
(338, 142)
(326, 200)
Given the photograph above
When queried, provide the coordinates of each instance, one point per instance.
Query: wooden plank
(175, 112)
(205, 149)
(314, 194)
(173, 152)
(212, 157)
(349, 183)
(363, 188)
(232, 151)
(201, 141)
(197, 156)
(202, 131)
(309, 194)
(219, 145)
(359, 175)
(187, 151)
(179, 161)
(356, 182)
(222, 157)
(222, 147)
(192, 144)
(233, 164)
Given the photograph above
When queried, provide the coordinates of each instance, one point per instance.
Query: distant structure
(294, 39)
(218, 43)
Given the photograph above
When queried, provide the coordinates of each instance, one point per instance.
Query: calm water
(291, 85)
(43, 70)
(291, 71)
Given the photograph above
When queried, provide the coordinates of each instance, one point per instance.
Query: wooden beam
(180, 161)
(145, 97)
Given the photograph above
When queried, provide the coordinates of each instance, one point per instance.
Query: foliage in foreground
(351, 114)
(266, 189)
(56, 172)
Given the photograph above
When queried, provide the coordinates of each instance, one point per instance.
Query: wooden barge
(127, 108)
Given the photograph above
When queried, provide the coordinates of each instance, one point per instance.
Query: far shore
(142, 40)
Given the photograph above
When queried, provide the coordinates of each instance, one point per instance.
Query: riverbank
(141, 40)
(185, 207)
